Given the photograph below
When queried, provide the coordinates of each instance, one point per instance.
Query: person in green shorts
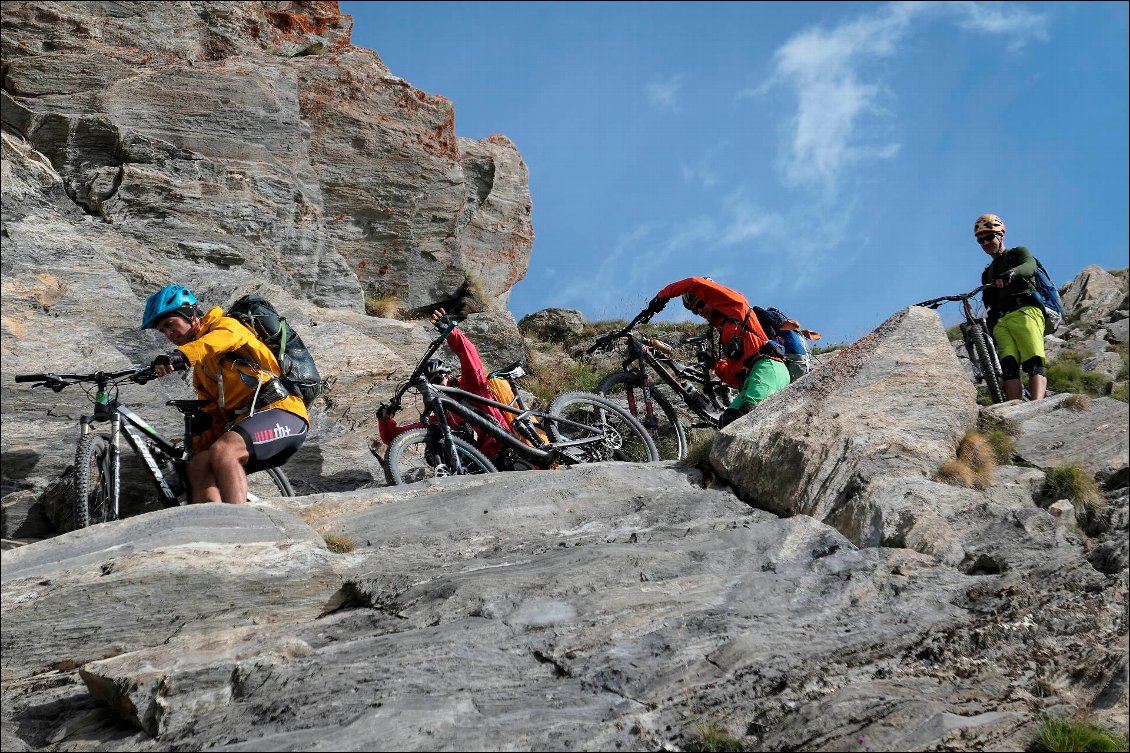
(1015, 320)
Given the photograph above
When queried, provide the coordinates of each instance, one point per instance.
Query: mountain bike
(97, 487)
(979, 343)
(579, 427)
(701, 392)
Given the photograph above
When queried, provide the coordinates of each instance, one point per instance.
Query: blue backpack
(1047, 296)
(796, 350)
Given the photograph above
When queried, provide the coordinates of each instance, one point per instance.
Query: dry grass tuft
(975, 466)
(382, 306)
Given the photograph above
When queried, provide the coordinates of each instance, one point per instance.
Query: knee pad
(1010, 369)
(1034, 366)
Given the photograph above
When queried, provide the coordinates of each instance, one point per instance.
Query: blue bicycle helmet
(167, 300)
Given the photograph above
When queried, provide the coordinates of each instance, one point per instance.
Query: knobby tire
(94, 481)
(626, 391)
(992, 375)
(420, 453)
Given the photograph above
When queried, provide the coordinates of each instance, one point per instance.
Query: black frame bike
(979, 343)
(97, 489)
(579, 427)
(702, 393)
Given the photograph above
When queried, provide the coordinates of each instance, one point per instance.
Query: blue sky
(825, 158)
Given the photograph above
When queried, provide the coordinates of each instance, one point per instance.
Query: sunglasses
(983, 239)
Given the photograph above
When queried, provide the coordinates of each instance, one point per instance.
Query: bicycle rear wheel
(419, 454)
(624, 389)
(94, 481)
(269, 483)
(614, 434)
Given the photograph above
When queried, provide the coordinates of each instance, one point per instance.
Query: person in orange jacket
(472, 377)
(751, 362)
(256, 423)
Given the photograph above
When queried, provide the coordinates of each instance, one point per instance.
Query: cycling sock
(1034, 366)
(1010, 369)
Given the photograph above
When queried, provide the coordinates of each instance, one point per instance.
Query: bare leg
(1037, 386)
(228, 455)
(1013, 390)
(201, 479)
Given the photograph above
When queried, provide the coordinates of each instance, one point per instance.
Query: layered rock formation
(235, 147)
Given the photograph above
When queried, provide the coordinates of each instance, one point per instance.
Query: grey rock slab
(180, 526)
(1054, 434)
(129, 585)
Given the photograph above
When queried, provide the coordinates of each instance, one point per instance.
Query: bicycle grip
(31, 378)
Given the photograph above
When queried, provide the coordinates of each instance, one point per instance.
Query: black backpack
(299, 373)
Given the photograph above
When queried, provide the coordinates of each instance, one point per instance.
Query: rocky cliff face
(234, 147)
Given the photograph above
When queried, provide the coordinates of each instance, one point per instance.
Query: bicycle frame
(140, 436)
(438, 400)
(644, 352)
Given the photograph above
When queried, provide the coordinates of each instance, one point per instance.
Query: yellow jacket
(228, 361)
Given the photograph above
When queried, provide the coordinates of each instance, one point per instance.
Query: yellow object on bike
(503, 393)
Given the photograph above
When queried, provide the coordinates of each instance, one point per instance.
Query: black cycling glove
(656, 305)
(175, 361)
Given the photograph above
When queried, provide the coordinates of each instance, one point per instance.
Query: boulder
(552, 325)
(1093, 295)
(880, 417)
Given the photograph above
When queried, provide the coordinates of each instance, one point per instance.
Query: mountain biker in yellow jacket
(751, 363)
(255, 421)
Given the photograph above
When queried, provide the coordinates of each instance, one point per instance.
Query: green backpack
(299, 373)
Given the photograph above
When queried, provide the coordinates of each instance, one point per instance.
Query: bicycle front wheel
(269, 483)
(419, 454)
(94, 481)
(601, 429)
(985, 356)
(625, 390)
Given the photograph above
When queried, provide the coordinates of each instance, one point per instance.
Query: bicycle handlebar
(934, 303)
(58, 381)
(606, 339)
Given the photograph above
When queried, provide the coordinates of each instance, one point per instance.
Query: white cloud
(1018, 24)
(665, 94)
(827, 69)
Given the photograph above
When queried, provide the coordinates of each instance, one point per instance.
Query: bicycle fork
(86, 427)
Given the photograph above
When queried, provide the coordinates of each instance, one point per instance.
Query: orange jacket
(733, 318)
(228, 361)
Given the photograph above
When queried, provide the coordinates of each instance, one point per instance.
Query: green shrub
(1003, 444)
(338, 543)
(1074, 483)
(829, 348)
(698, 452)
(547, 381)
(1066, 375)
(1121, 393)
(1078, 735)
(954, 333)
(1009, 426)
(711, 737)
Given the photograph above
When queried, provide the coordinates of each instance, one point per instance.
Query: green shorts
(1020, 334)
(766, 377)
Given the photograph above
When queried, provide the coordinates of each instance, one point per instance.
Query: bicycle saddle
(188, 406)
(507, 371)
